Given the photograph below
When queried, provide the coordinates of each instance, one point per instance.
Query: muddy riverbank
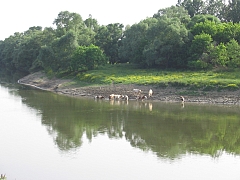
(172, 94)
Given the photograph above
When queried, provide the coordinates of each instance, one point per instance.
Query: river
(45, 136)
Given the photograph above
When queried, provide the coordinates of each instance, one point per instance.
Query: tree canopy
(194, 34)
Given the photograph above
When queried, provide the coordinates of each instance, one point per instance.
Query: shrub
(197, 64)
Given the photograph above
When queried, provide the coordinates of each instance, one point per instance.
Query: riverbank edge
(168, 94)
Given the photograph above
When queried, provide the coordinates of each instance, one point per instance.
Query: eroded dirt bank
(64, 86)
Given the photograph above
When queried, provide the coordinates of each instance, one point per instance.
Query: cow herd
(137, 93)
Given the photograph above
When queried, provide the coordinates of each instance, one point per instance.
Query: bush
(87, 58)
(197, 64)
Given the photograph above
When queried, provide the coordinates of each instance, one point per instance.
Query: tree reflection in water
(164, 128)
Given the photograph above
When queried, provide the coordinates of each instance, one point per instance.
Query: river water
(48, 136)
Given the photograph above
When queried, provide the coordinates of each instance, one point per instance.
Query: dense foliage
(194, 34)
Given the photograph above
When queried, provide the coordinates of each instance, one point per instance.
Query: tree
(193, 7)
(134, 40)
(233, 53)
(207, 27)
(233, 11)
(108, 39)
(199, 51)
(92, 23)
(226, 32)
(158, 41)
(218, 55)
(9, 48)
(173, 12)
(28, 50)
(63, 49)
(67, 21)
(166, 39)
(49, 35)
(200, 43)
(86, 37)
(87, 58)
(46, 59)
(216, 8)
(201, 18)
(237, 32)
(95, 57)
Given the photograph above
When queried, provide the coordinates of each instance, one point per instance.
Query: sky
(19, 15)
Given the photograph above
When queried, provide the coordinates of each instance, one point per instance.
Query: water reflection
(164, 128)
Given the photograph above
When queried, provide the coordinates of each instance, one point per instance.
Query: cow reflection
(150, 106)
(117, 102)
(143, 105)
(182, 104)
(183, 100)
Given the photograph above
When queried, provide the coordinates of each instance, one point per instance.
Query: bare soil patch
(64, 86)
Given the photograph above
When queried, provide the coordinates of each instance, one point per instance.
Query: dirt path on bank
(66, 87)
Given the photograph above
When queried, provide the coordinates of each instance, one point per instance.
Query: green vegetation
(193, 35)
(128, 74)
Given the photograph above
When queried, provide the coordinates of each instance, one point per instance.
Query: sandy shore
(64, 86)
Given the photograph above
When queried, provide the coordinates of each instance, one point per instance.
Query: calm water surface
(53, 137)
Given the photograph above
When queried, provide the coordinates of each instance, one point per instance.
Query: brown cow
(141, 97)
(137, 92)
(98, 97)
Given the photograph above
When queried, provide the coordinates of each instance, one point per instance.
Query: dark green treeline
(192, 34)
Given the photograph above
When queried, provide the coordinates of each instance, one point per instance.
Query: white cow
(124, 97)
(182, 98)
(117, 96)
(150, 93)
(111, 96)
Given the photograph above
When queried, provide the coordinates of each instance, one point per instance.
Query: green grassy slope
(128, 74)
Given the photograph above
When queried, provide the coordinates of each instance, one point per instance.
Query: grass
(130, 74)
